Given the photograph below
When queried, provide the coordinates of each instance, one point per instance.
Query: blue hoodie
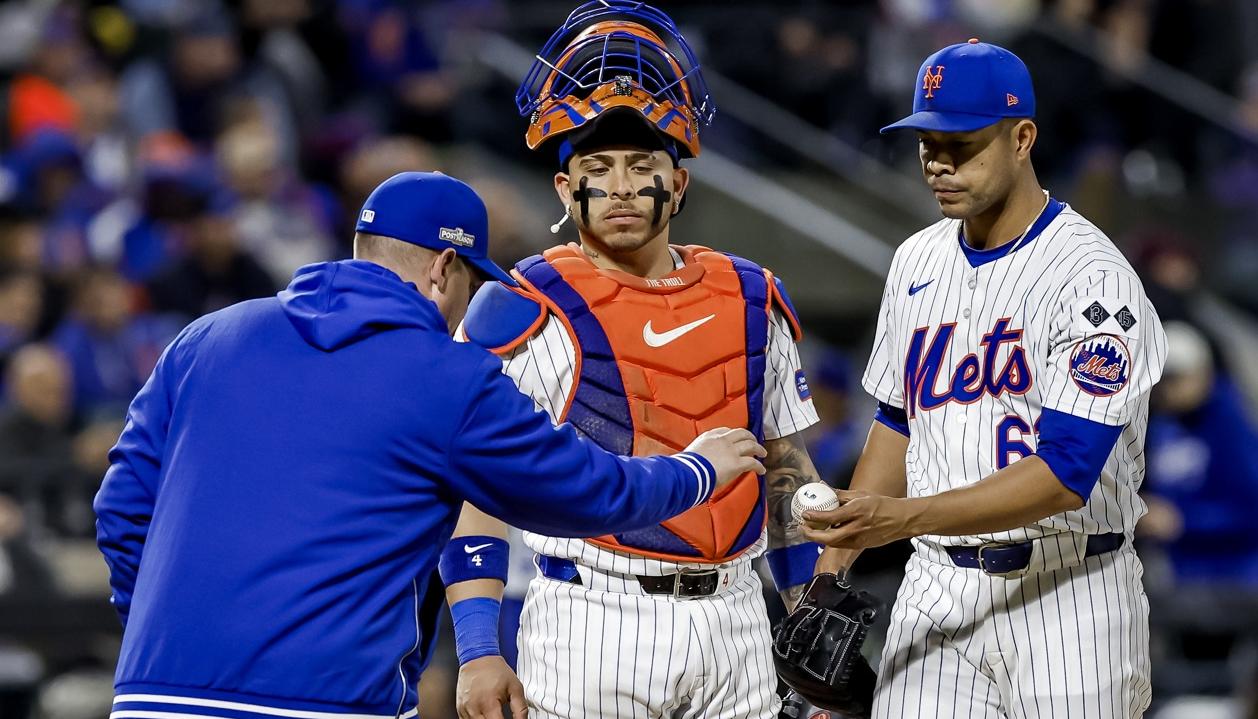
(287, 477)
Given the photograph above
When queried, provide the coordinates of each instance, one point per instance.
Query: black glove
(817, 648)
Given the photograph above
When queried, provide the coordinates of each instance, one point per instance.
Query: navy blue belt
(681, 584)
(1006, 558)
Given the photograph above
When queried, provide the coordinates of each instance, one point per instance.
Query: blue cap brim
(490, 270)
(942, 122)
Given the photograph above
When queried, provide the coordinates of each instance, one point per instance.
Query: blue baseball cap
(968, 86)
(432, 210)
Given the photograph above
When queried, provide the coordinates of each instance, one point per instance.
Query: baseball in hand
(815, 496)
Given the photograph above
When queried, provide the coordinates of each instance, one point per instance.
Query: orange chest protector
(659, 362)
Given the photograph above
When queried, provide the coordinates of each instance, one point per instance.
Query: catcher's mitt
(817, 648)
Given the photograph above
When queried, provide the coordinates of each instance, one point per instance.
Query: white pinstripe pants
(1069, 643)
(591, 653)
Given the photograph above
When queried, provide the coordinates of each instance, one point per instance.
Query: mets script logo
(931, 82)
(1101, 366)
(972, 377)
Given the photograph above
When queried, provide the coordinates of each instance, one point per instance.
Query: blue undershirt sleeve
(893, 417)
(1075, 449)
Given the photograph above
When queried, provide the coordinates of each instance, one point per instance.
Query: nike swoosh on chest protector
(659, 339)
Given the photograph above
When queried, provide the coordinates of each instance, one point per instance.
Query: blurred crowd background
(160, 159)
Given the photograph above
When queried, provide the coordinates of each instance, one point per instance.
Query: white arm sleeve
(787, 402)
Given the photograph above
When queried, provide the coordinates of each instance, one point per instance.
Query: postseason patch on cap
(456, 236)
(369, 215)
(801, 386)
(1101, 365)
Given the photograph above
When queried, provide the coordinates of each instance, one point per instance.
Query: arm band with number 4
(474, 557)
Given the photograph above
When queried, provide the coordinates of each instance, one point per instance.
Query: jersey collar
(978, 258)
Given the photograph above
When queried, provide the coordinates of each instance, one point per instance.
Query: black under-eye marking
(583, 194)
(661, 196)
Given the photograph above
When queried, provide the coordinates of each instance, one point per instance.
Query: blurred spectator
(304, 49)
(1174, 279)
(396, 63)
(36, 418)
(1071, 142)
(197, 84)
(376, 160)
(509, 220)
(1203, 468)
(49, 171)
(145, 234)
(107, 152)
(277, 218)
(215, 272)
(110, 347)
(20, 237)
(36, 440)
(36, 96)
(836, 442)
(21, 306)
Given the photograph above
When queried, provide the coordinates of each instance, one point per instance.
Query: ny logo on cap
(456, 236)
(931, 82)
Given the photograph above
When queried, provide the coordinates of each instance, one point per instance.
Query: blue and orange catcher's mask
(613, 54)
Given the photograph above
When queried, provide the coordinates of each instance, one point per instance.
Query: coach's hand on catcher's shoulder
(861, 520)
(732, 452)
(485, 684)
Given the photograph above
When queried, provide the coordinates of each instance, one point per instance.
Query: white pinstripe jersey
(542, 368)
(1057, 319)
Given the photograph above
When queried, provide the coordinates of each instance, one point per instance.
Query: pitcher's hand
(861, 520)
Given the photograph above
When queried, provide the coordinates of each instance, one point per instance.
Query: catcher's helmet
(616, 54)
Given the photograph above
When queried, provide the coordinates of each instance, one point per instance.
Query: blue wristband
(476, 628)
(474, 557)
(793, 565)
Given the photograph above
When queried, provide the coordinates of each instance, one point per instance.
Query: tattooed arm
(789, 468)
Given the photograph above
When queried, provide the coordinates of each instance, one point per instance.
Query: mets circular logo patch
(1101, 366)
